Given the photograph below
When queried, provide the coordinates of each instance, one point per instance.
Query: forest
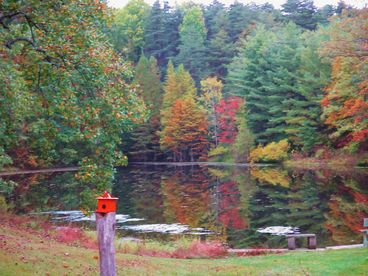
(246, 82)
(83, 84)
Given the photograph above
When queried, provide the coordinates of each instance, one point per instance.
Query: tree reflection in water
(234, 202)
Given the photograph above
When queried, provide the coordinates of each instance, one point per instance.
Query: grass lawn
(25, 250)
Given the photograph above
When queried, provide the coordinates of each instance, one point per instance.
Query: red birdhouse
(106, 203)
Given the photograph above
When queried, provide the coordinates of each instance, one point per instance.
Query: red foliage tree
(226, 110)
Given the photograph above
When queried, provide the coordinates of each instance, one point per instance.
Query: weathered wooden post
(105, 223)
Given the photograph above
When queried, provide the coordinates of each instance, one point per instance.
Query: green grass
(26, 251)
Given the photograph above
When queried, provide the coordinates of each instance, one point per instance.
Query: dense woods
(259, 75)
(83, 84)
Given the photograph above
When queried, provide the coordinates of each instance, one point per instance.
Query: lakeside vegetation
(86, 85)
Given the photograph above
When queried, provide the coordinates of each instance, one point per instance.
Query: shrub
(218, 151)
(201, 250)
(74, 236)
(271, 153)
(181, 249)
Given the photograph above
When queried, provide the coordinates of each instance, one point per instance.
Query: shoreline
(48, 170)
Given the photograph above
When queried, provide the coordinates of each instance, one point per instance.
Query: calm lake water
(246, 207)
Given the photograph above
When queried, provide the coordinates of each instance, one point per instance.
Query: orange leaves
(186, 128)
(325, 102)
(360, 136)
(363, 86)
(353, 107)
(345, 105)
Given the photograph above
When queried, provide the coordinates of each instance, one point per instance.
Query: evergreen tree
(171, 22)
(341, 6)
(192, 39)
(144, 139)
(301, 12)
(247, 74)
(265, 74)
(322, 15)
(239, 18)
(281, 84)
(154, 34)
(305, 115)
(215, 18)
(219, 53)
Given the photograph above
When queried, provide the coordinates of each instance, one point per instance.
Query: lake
(245, 207)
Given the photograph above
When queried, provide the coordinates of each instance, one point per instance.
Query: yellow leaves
(272, 152)
(274, 176)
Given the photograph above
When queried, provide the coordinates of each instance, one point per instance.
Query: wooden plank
(105, 224)
(301, 235)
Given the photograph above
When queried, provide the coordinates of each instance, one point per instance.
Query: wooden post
(312, 242)
(291, 242)
(105, 223)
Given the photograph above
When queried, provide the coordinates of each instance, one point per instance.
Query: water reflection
(229, 203)
(236, 202)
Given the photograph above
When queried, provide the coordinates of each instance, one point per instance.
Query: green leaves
(67, 99)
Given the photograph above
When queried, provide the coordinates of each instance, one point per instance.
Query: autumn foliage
(185, 133)
(272, 152)
(345, 103)
(227, 110)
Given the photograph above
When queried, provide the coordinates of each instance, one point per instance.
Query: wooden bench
(312, 240)
(365, 232)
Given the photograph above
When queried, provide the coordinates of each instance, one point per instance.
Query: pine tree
(265, 73)
(240, 17)
(219, 53)
(323, 14)
(154, 34)
(192, 39)
(305, 115)
(215, 18)
(144, 139)
(247, 74)
(281, 85)
(171, 22)
(301, 12)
